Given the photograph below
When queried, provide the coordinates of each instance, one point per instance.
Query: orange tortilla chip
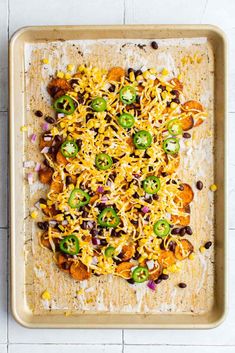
(124, 269)
(188, 249)
(177, 84)
(56, 185)
(173, 163)
(116, 73)
(127, 252)
(193, 106)
(187, 123)
(166, 259)
(79, 271)
(60, 159)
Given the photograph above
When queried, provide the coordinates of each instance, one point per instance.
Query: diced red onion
(37, 167)
(37, 205)
(47, 138)
(145, 209)
(95, 241)
(33, 138)
(28, 164)
(30, 178)
(165, 132)
(45, 126)
(150, 264)
(64, 222)
(52, 223)
(109, 183)
(45, 150)
(152, 285)
(94, 261)
(104, 199)
(90, 224)
(100, 189)
(60, 115)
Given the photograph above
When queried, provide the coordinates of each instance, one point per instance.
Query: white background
(17, 13)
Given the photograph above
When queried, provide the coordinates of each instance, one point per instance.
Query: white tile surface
(74, 12)
(13, 348)
(3, 169)
(35, 12)
(3, 348)
(3, 286)
(178, 349)
(222, 335)
(3, 51)
(19, 334)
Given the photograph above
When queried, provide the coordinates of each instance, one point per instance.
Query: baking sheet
(114, 294)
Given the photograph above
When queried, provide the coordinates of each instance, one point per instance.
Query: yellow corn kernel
(101, 129)
(59, 217)
(42, 206)
(191, 256)
(24, 128)
(33, 215)
(141, 259)
(67, 76)
(76, 89)
(113, 111)
(202, 249)
(61, 228)
(213, 187)
(184, 60)
(74, 94)
(155, 257)
(70, 67)
(71, 128)
(81, 68)
(143, 241)
(168, 88)
(173, 105)
(49, 203)
(54, 131)
(150, 256)
(146, 75)
(179, 77)
(199, 59)
(164, 94)
(165, 72)
(173, 268)
(132, 76)
(90, 124)
(187, 143)
(46, 295)
(153, 70)
(62, 124)
(71, 187)
(165, 271)
(139, 78)
(80, 291)
(60, 74)
(45, 61)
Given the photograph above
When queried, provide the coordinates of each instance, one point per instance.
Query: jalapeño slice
(70, 245)
(65, 105)
(174, 127)
(142, 139)
(140, 274)
(171, 145)
(108, 218)
(161, 228)
(151, 184)
(99, 104)
(109, 251)
(103, 161)
(126, 120)
(78, 198)
(128, 94)
(69, 149)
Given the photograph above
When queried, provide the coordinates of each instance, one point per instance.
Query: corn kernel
(101, 129)
(81, 68)
(139, 78)
(179, 77)
(191, 256)
(146, 75)
(168, 88)
(74, 94)
(187, 143)
(71, 187)
(202, 249)
(45, 61)
(33, 215)
(59, 217)
(132, 76)
(173, 268)
(62, 124)
(80, 291)
(153, 70)
(76, 89)
(165, 271)
(67, 76)
(43, 206)
(143, 241)
(174, 105)
(70, 67)
(46, 295)
(199, 59)
(60, 74)
(49, 203)
(164, 94)
(213, 187)
(61, 228)
(24, 128)
(165, 72)
(71, 128)
(141, 259)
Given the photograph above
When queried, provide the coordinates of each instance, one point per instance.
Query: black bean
(164, 277)
(137, 99)
(137, 255)
(52, 150)
(176, 100)
(175, 231)
(154, 45)
(58, 139)
(131, 281)
(49, 119)
(199, 185)
(146, 155)
(134, 222)
(103, 242)
(88, 117)
(46, 163)
(84, 225)
(188, 230)
(138, 73)
(41, 200)
(164, 174)
(208, 244)
(182, 285)
(79, 143)
(116, 234)
(115, 160)
(114, 128)
(162, 246)
(94, 232)
(43, 225)
(168, 104)
(68, 180)
(85, 214)
(112, 88)
(80, 98)
(157, 281)
(186, 135)
(38, 113)
(65, 265)
(130, 70)
(155, 197)
(172, 246)
(175, 93)
(182, 232)
(135, 195)
(163, 88)
(181, 187)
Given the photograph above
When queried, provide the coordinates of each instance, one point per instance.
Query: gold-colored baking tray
(20, 309)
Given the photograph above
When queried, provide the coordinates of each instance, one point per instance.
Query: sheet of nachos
(193, 58)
